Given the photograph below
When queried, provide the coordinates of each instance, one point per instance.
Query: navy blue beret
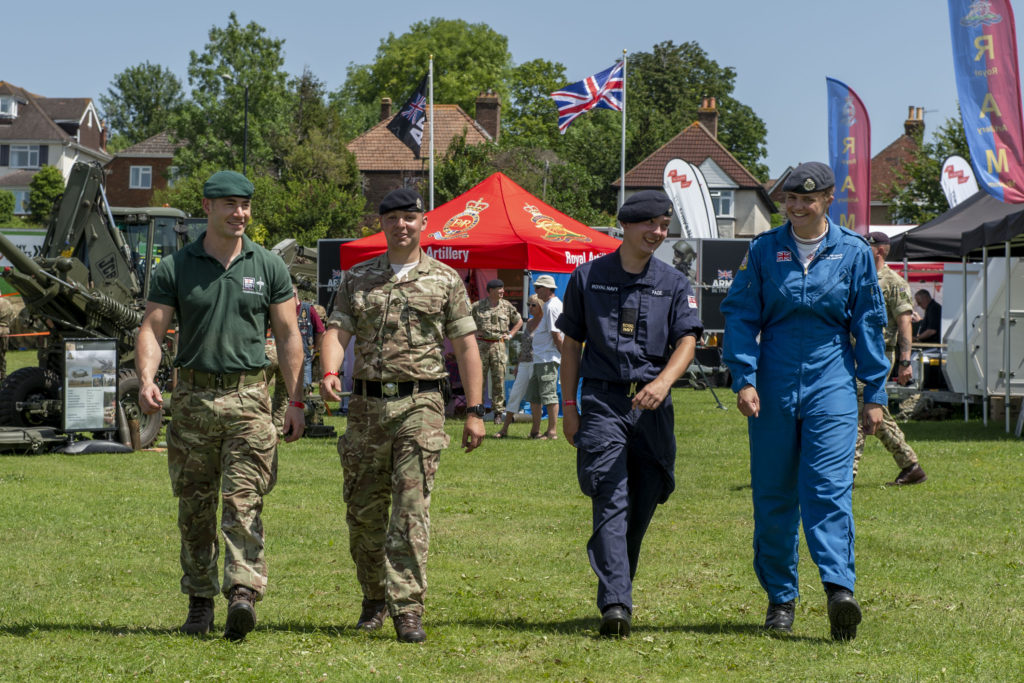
(401, 199)
(494, 284)
(811, 176)
(645, 205)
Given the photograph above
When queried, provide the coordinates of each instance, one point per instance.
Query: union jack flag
(604, 90)
(724, 274)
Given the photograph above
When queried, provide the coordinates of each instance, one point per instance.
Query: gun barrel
(22, 262)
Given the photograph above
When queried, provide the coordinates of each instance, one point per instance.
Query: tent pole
(984, 335)
(967, 352)
(1006, 337)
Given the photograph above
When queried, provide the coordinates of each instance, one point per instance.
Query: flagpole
(622, 155)
(430, 89)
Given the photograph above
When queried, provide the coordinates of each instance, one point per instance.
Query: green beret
(227, 184)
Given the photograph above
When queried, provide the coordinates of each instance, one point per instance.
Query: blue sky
(894, 54)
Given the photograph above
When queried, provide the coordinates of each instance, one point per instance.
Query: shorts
(543, 386)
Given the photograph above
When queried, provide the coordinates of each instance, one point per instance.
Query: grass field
(89, 571)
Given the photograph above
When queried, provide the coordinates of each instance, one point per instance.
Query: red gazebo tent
(498, 224)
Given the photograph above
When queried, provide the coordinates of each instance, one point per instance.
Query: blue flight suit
(803, 367)
(625, 458)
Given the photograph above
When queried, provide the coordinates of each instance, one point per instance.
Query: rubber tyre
(128, 386)
(24, 385)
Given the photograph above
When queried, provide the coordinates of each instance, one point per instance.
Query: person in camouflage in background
(7, 317)
(497, 321)
(224, 291)
(399, 307)
(899, 308)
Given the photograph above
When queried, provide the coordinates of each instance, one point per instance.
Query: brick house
(135, 173)
(742, 205)
(386, 163)
(37, 131)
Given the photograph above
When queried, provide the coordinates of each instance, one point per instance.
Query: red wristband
(328, 374)
(296, 404)
(569, 402)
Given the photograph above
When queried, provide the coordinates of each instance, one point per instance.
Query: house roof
(378, 149)
(887, 166)
(17, 179)
(159, 145)
(695, 144)
(37, 115)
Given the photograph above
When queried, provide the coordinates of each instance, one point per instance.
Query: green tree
(468, 59)
(917, 195)
(46, 187)
(213, 121)
(530, 116)
(140, 101)
(6, 206)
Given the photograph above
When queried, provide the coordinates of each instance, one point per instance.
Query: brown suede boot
(241, 613)
(200, 616)
(409, 628)
(373, 615)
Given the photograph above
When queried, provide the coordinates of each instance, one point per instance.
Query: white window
(723, 202)
(8, 107)
(24, 156)
(173, 173)
(21, 202)
(142, 178)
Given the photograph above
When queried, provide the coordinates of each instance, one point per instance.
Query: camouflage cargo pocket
(431, 439)
(349, 462)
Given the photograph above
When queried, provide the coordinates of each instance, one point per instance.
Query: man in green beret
(224, 291)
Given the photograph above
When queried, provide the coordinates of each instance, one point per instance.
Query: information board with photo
(90, 385)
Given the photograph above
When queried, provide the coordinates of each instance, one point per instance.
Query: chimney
(488, 113)
(385, 108)
(104, 131)
(707, 115)
(914, 125)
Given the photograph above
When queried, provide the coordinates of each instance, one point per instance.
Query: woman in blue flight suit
(803, 290)
(638, 317)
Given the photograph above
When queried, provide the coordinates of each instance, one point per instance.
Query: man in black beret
(497, 321)
(223, 289)
(397, 308)
(638, 318)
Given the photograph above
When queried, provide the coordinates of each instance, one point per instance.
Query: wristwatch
(479, 410)
(904, 363)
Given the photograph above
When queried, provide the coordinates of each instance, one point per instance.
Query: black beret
(878, 238)
(227, 184)
(494, 284)
(401, 199)
(644, 205)
(812, 176)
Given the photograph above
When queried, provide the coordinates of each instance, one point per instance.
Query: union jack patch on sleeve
(692, 300)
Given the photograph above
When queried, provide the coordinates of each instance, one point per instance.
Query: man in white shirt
(547, 354)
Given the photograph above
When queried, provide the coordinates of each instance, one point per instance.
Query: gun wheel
(28, 385)
(128, 386)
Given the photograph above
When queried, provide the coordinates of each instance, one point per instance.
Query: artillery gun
(89, 281)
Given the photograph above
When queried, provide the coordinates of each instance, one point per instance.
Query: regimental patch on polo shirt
(783, 255)
(251, 285)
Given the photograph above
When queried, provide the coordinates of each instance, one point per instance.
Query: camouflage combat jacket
(898, 301)
(493, 321)
(400, 325)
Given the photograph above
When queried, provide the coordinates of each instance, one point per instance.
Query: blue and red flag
(985, 60)
(849, 155)
(407, 125)
(603, 90)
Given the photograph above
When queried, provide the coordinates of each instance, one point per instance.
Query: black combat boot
(780, 616)
(616, 622)
(200, 616)
(373, 615)
(241, 613)
(843, 612)
(409, 628)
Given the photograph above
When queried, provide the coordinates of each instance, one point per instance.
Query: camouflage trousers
(221, 441)
(888, 432)
(494, 358)
(389, 456)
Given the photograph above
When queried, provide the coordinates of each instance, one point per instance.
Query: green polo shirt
(222, 314)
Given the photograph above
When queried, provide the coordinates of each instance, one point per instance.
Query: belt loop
(241, 381)
(632, 390)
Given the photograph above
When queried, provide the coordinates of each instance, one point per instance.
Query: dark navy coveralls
(625, 458)
(788, 333)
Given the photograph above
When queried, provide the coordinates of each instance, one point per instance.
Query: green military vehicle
(90, 280)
